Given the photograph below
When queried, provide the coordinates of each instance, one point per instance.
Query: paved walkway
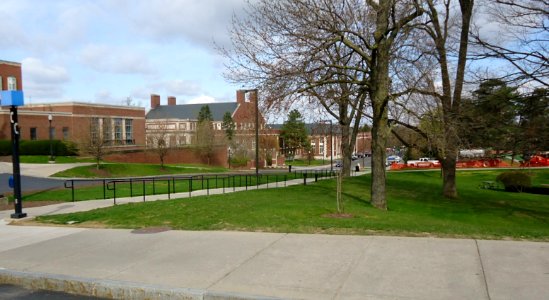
(157, 264)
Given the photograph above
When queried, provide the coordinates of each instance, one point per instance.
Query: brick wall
(8, 69)
(176, 156)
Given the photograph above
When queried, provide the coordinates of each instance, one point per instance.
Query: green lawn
(414, 201)
(115, 170)
(305, 162)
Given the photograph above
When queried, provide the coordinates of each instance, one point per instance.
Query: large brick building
(179, 122)
(122, 127)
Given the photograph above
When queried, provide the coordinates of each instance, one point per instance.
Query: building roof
(190, 111)
(10, 63)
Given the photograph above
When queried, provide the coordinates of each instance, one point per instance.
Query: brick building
(179, 122)
(10, 76)
(122, 127)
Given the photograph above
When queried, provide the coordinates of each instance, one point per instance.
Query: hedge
(515, 181)
(40, 147)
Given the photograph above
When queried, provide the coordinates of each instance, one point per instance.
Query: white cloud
(201, 99)
(35, 70)
(43, 81)
(200, 22)
(119, 60)
(182, 87)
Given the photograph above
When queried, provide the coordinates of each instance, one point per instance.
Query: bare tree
(521, 39)
(158, 139)
(95, 143)
(333, 52)
(440, 55)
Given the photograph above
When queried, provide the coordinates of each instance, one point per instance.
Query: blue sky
(104, 51)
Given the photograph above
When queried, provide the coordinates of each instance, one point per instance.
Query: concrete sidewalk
(157, 264)
(243, 265)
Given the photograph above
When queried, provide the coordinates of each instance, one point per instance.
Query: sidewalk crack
(247, 260)
(483, 273)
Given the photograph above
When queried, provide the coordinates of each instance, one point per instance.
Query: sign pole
(15, 162)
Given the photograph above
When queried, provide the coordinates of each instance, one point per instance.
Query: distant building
(121, 127)
(179, 121)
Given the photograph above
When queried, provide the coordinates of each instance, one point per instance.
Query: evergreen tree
(229, 126)
(205, 114)
(294, 133)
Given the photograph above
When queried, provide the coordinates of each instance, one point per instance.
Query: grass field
(415, 208)
(110, 170)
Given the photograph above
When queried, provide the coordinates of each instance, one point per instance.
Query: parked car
(423, 162)
(338, 164)
(393, 159)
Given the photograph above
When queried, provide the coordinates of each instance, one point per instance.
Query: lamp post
(331, 145)
(50, 118)
(229, 152)
(256, 128)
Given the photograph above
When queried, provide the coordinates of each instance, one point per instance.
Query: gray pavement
(246, 265)
(127, 264)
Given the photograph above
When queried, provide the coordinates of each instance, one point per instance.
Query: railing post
(168, 189)
(72, 189)
(190, 185)
(154, 187)
(207, 186)
(304, 178)
(104, 190)
(131, 187)
(143, 190)
(114, 187)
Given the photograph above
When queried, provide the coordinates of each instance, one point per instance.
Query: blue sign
(10, 182)
(11, 98)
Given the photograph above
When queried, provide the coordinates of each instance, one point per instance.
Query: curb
(112, 289)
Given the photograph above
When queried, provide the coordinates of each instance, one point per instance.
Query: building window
(65, 133)
(94, 129)
(321, 148)
(313, 147)
(12, 83)
(1, 83)
(118, 130)
(129, 131)
(33, 133)
(107, 134)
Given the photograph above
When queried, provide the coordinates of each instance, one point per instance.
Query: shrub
(40, 147)
(515, 181)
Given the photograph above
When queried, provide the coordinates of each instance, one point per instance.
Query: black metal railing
(143, 186)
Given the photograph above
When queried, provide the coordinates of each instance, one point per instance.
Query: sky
(105, 51)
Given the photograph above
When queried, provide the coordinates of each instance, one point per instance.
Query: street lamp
(229, 152)
(331, 145)
(50, 118)
(256, 128)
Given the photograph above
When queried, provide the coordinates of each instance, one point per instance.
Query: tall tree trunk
(379, 140)
(380, 128)
(346, 149)
(448, 164)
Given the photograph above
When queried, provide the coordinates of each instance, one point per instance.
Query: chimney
(155, 101)
(171, 100)
(240, 96)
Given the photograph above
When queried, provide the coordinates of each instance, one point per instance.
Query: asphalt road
(14, 292)
(29, 183)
